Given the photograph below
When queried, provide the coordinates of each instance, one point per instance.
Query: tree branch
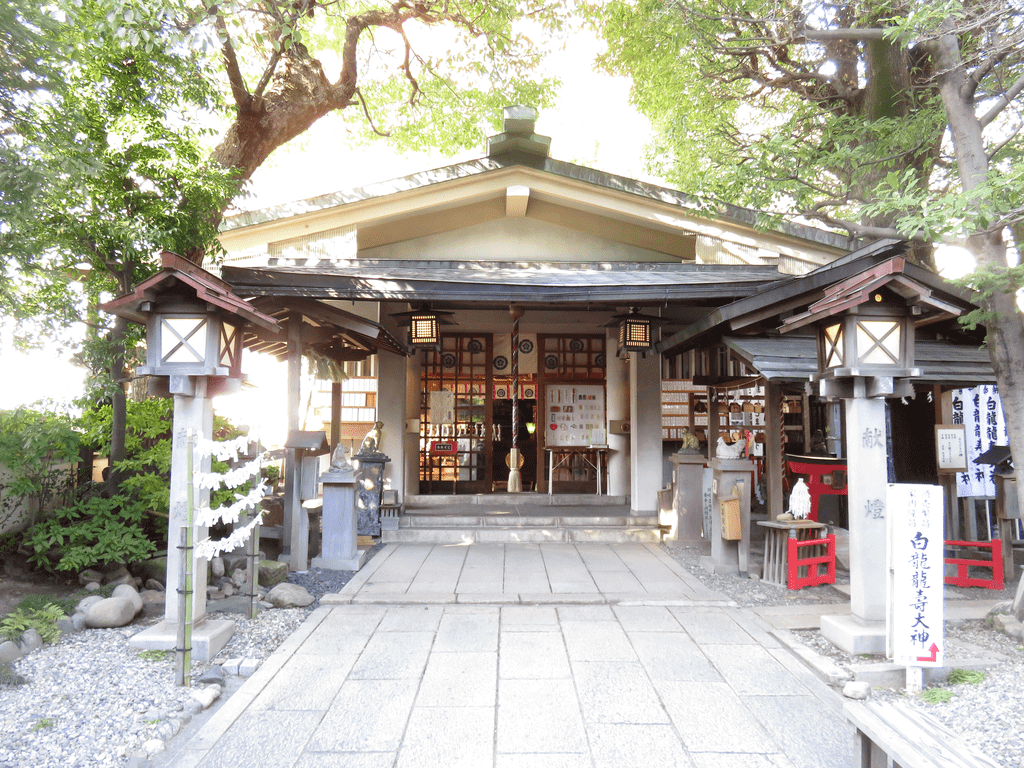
(1002, 144)
(1003, 102)
(243, 99)
(827, 35)
(366, 112)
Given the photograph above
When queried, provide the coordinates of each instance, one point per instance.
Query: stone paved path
(518, 656)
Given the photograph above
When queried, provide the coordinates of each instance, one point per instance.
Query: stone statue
(339, 459)
(690, 443)
(372, 441)
(725, 451)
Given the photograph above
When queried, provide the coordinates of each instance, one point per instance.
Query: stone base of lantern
(208, 638)
(340, 563)
(854, 635)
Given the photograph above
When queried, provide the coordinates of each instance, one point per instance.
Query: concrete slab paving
(533, 656)
(459, 680)
(403, 675)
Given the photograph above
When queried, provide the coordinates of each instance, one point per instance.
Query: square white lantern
(875, 340)
(184, 342)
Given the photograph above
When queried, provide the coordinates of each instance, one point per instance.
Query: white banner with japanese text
(980, 410)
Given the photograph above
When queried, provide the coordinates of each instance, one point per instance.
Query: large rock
(119, 575)
(272, 572)
(31, 640)
(217, 567)
(112, 612)
(289, 596)
(9, 651)
(87, 602)
(90, 576)
(127, 591)
(155, 568)
(1018, 601)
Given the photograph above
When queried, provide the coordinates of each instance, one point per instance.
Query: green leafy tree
(33, 444)
(887, 118)
(128, 128)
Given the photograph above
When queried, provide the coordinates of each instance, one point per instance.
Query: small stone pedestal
(339, 551)
(687, 503)
(369, 479)
(732, 477)
(208, 637)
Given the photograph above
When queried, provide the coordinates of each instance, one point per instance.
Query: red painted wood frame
(963, 565)
(813, 564)
(814, 467)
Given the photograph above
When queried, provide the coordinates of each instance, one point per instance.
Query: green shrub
(31, 443)
(39, 602)
(93, 531)
(44, 620)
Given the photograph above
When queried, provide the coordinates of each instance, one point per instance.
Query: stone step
(521, 535)
(531, 521)
(417, 501)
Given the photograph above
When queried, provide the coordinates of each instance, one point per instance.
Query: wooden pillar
(617, 409)
(335, 414)
(774, 455)
(292, 503)
(645, 432)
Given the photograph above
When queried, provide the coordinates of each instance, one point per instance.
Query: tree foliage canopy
(829, 111)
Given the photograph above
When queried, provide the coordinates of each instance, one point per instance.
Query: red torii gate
(816, 467)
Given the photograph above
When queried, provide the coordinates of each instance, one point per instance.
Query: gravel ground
(989, 716)
(90, 700)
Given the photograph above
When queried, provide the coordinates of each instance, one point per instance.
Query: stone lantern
(195, 325)
(865, 337)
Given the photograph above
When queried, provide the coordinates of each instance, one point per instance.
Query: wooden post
(335, 414)
(774, 454)
(293, 546)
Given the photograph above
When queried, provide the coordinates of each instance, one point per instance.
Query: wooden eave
(766, 310)
(176, 271)
(793, 358)
(331, 331)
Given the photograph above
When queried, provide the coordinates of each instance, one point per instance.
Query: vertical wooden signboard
(915, 627)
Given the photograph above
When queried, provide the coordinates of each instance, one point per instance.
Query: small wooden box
(731, 525)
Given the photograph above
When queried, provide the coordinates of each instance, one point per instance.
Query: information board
(951, 448)
(915, 627)
(575, 415)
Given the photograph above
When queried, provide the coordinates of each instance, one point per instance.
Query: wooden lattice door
(457, 410)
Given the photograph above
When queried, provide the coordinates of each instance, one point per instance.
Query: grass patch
(966, 676)
(42, 619)
(937, 696)
(155, 655)
(41, 602)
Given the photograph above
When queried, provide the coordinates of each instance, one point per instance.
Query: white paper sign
(915, 526)
(442, 407)
(951, 448)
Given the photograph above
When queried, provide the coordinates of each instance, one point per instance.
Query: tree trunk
(118, 406)
(1006, 324)
(301, 95)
